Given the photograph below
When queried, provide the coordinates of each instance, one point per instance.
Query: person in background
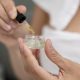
(58, 20)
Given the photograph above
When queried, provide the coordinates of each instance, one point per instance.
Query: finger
(35, 52)
(3, 14)
(21, 9)
(39, 72)
(24, 49)
(44, 75)
(54, 56)
(27, 53)
(4, 25)
(10, 8)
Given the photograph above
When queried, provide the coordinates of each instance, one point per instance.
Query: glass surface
(34, 42)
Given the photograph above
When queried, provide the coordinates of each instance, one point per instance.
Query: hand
(8, 11)
(9, 29)
(68, 69)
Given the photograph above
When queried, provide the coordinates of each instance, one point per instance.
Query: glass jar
(34, 42)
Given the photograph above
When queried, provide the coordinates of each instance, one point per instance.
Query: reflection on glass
(34, 42)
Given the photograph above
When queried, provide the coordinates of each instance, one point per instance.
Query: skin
(68, 69)
(10, 31)
(41, 18)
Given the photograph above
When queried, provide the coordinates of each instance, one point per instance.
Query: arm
(9, 32)
(12, 46)
(39, 19)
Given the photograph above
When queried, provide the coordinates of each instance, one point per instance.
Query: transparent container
(34, 42)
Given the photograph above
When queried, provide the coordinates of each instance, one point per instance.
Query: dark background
(4, 57)
(30, 7)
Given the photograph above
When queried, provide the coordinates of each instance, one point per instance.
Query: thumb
(53, 55)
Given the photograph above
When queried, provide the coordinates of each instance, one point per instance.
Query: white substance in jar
(34, 42)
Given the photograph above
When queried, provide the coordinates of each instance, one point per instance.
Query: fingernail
(13, 13)
(8, 27)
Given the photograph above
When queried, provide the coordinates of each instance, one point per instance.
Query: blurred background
(6, 72)
(30, 7)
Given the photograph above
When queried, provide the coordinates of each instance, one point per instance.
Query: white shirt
(67, 44)
(60, 11)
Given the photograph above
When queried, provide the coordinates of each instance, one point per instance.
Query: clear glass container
(34, 42)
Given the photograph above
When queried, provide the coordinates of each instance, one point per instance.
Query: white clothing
(60, 11)
(67, 44)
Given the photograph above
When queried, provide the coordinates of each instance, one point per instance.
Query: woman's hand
(8, 12)
(10, 30)
(68, 69)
